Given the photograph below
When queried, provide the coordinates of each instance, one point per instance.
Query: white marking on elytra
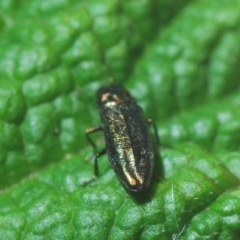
(125, 152)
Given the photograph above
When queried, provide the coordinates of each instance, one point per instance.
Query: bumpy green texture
(54, 55)
(195, 60)
(58, 204)
(179, 59)
(215, 126)
(220, 221)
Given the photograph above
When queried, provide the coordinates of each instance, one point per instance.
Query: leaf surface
(182, 67)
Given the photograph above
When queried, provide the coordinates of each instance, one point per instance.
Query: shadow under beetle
(128, 142)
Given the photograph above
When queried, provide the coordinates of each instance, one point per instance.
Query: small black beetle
(128, 142)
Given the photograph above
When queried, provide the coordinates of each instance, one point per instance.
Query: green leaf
(104, 208)
(221, 220)
(182, 67)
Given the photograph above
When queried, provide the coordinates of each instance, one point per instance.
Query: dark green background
(181, 61)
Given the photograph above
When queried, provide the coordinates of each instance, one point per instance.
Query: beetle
(128, 142)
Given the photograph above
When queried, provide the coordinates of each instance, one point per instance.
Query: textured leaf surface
(182, 66)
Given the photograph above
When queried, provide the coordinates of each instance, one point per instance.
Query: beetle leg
(99, 154)
(90, 131)
(150, 121)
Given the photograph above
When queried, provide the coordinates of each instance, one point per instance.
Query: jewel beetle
(128, 142)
